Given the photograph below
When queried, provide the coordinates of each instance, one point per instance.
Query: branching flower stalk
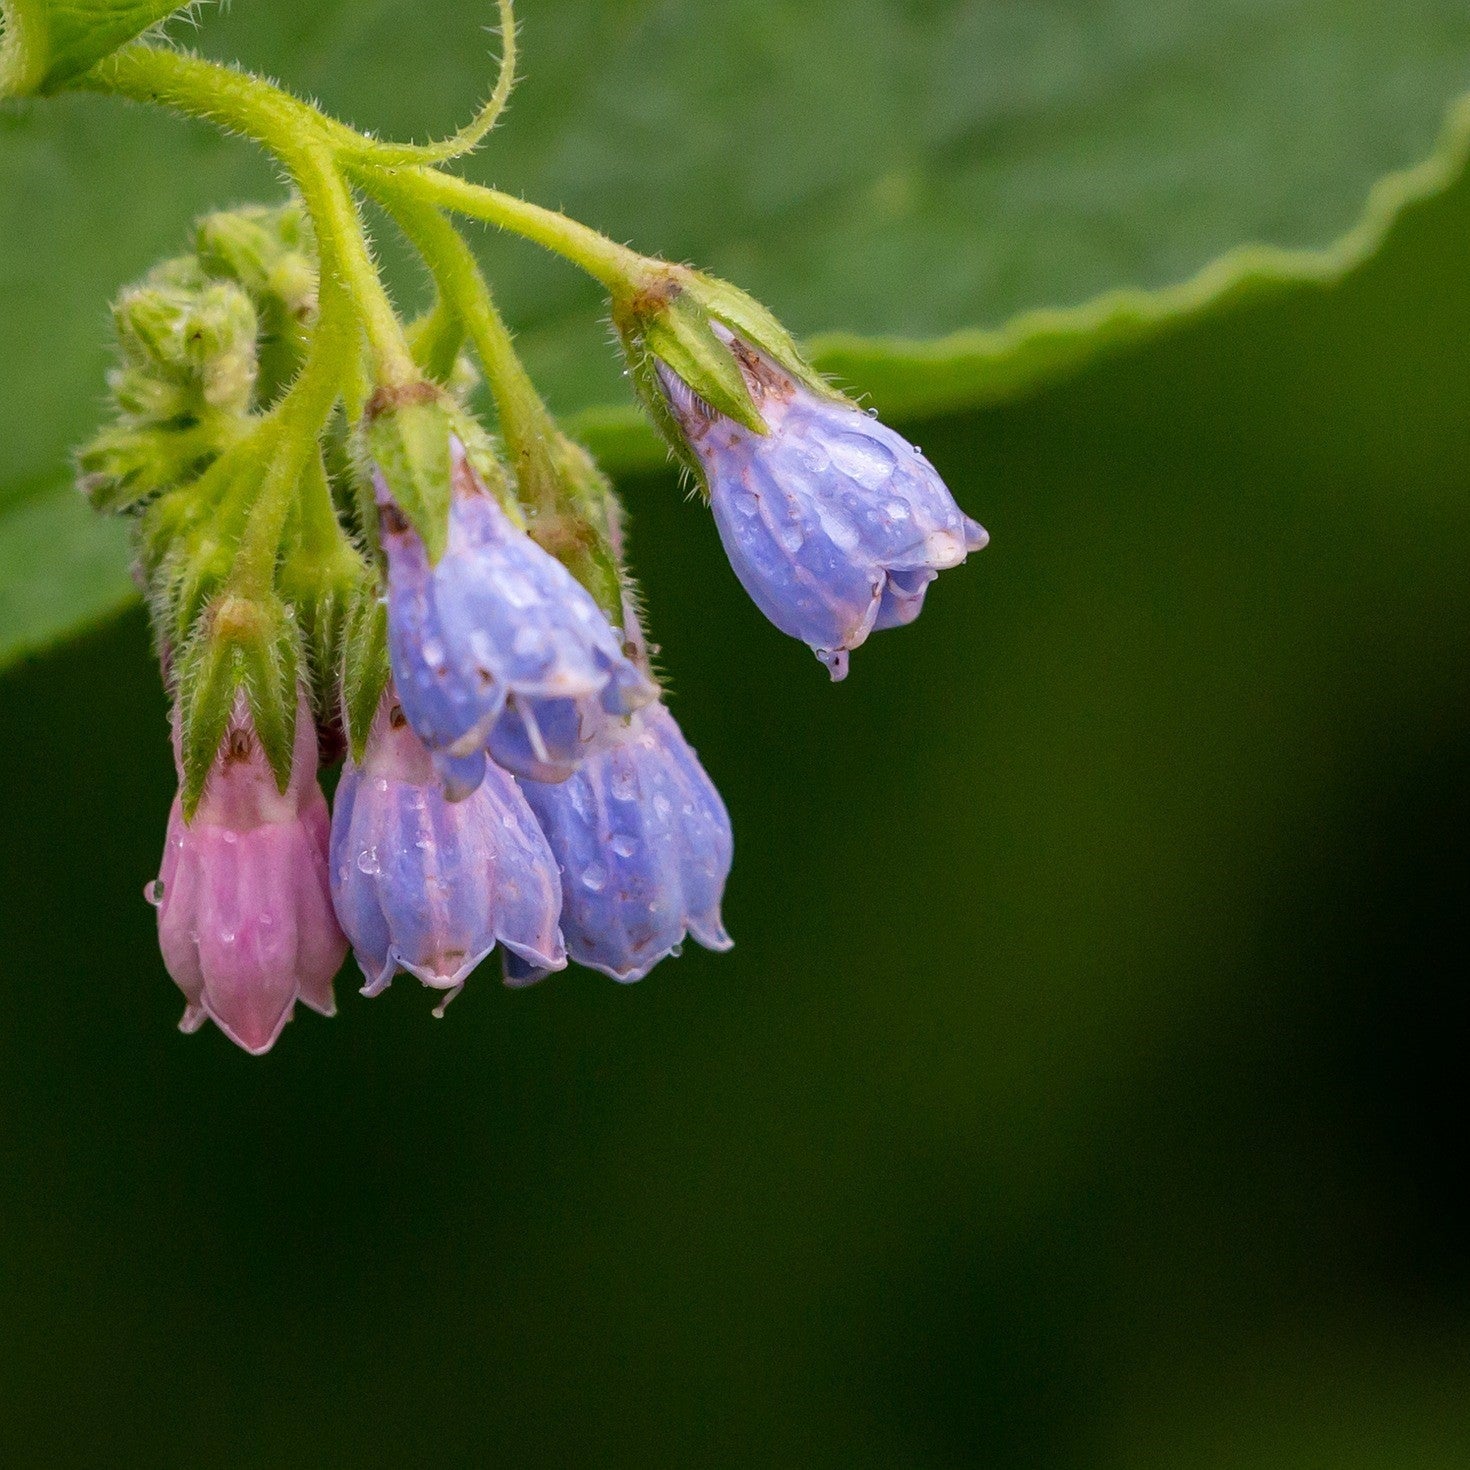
(340, 560)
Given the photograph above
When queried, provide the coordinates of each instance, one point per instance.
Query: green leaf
(954, 202)
(63, 568)
(46, 42)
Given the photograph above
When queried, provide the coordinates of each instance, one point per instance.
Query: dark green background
(1087, 1087)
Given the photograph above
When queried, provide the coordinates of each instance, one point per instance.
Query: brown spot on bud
(396, 718)
(659, 293)
(405, 395)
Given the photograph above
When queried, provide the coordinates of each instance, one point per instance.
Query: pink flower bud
(245, 916)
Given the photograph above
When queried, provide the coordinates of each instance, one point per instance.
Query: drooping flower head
(644, 845)
(834, 524)
(245, 918)
(431, 886)
(497, 647)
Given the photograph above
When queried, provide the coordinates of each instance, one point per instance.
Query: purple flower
(834, 524)
(245, 917)
(497, 647)
(429, 886)
(644, 845)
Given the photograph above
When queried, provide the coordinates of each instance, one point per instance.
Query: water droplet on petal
(153, 892)
(624, 845)
(367, 862)
(529, 641)
(595, 877)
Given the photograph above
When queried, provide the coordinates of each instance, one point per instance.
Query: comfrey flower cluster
(343, 564)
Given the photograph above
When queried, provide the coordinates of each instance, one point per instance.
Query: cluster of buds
(451, 616)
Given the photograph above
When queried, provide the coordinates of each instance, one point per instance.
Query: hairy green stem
(298, 421)
(526, 424)
(622, 271)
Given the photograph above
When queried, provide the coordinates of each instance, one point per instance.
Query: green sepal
(578, 519)
(747, 318)
(321, 576)
(482, 453)
(47, 42)
(365, 667)
(241, 645)
(678, 332)
(405, 438)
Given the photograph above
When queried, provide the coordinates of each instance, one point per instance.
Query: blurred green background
(1087, 1087)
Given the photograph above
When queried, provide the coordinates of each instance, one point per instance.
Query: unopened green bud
(127, 465)
(271, 254)
(185, 350)
(221, 332)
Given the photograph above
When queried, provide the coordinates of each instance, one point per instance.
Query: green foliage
(936, 190)
(48, 41)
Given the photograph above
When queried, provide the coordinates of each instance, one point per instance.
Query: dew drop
(153, 892)
(624, 845)
(791, 536)
(517, 589)
(866, 462)
(746, 503)
(595, 877)
(367, 862)
(662, 807)
(433, 653)
(529, 641)
(624, 787)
